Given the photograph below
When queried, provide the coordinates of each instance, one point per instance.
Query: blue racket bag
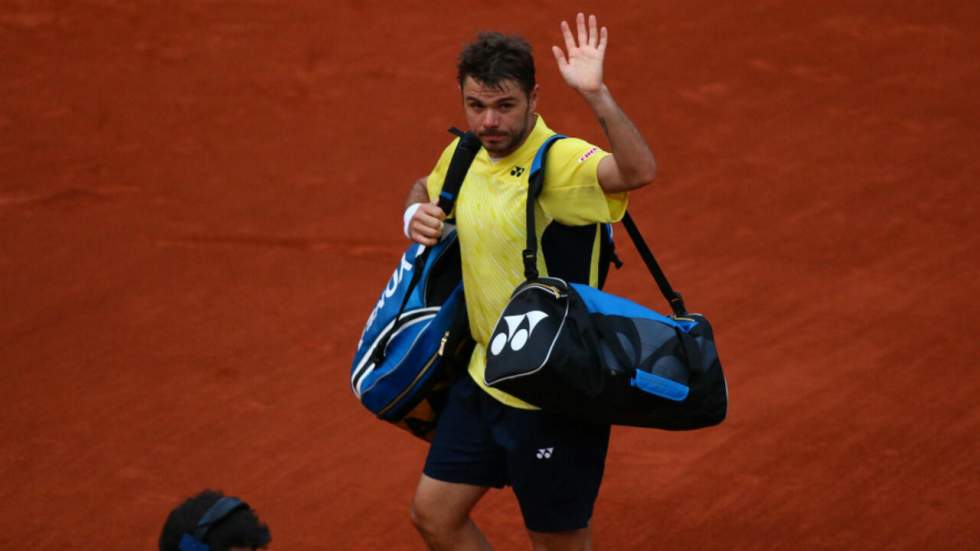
(417, 336)
(400, 369)
(571, 348)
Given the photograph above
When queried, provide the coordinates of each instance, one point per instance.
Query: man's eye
(506, 107)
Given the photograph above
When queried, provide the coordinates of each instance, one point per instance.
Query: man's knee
(430, 521)
(440, 510)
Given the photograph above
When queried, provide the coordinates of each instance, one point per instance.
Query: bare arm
(418, 193)
(631, 165)
(426, 224)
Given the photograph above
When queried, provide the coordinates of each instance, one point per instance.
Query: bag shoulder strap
(530, 253)
(675, 299)
(466, 150)
(534, 187)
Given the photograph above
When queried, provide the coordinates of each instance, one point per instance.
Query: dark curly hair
(494, 57)
(241, 528)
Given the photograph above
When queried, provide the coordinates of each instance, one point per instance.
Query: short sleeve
(572, 194)
(438, 175)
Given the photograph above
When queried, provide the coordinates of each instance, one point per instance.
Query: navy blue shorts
(554, 463)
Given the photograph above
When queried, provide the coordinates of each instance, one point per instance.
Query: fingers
(593, 32)
(603, 40)
(432, 210)
(429, 226)
(426, 226)
(559, 56)
(587, 36)
(425, 235)
(422, 240)
(567, 33)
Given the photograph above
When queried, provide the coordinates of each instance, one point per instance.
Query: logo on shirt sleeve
(592, 151)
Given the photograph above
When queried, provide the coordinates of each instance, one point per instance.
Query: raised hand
(582, 67)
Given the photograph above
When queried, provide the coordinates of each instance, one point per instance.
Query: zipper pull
(442, 343)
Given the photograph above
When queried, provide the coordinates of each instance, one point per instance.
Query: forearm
(634, 160)
(418, 193)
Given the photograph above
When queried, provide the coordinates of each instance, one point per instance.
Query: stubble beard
(515, 139)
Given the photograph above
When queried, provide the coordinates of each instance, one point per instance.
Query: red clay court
(200, 201)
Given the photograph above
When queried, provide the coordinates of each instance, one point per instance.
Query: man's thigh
(445, 503)
(555, 465)
(463, 450)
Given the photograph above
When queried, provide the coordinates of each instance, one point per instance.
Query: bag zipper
(550, 288)
(423, 371)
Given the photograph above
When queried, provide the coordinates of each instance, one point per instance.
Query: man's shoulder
(577, 148)
(448, 150)
(446, 155)
(570, 152)
(435, 177)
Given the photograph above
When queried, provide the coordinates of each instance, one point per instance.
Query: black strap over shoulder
(534, 187)
(466, 150)
(530, 253)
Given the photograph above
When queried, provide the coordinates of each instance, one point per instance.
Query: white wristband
(407, 217)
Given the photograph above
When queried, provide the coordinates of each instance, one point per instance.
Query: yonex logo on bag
(518, 332)
(394, 282)
(545, 453)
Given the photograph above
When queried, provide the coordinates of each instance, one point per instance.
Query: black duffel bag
(574, 349)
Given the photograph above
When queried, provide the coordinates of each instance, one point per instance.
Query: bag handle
(530, 253)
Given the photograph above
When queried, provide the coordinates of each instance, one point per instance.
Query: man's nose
(491, 118)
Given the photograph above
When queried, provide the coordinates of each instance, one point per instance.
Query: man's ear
(532, 98)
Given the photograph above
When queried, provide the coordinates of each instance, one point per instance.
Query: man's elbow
(643, 176)
(650, 173)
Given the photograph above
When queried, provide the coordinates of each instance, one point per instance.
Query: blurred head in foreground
(211, 521)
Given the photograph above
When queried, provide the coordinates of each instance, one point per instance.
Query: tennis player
(487, 438)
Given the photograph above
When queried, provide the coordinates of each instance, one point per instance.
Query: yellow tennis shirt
(490, 223)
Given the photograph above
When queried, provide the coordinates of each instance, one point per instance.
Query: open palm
(582, 67)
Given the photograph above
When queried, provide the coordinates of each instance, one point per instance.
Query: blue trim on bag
(598, 302)
(448, 196)
(659, 386)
